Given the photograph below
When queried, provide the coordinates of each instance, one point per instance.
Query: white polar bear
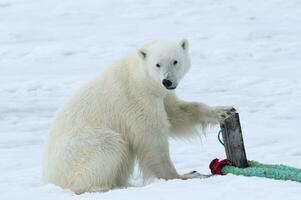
(125, 114)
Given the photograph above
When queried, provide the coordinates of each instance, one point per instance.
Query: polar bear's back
(91, 103)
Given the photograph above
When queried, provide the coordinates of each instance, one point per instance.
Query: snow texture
(244, 53)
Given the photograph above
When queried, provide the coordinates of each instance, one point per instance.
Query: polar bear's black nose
(167, 83)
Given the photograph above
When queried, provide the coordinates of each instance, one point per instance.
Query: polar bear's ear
(142, 53)
(184, 44)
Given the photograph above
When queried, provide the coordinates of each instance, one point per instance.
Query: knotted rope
(273, 171)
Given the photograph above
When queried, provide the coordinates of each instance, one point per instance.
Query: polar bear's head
(166, 63)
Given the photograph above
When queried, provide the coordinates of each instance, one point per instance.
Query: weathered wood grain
(233, 141)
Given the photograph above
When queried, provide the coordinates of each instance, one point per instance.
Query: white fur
(123, 115)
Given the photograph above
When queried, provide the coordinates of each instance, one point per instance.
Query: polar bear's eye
(158, 65)
(175, 62)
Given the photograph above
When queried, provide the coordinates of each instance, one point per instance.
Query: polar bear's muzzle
(168, 84)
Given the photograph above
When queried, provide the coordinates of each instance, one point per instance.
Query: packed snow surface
(244, 53)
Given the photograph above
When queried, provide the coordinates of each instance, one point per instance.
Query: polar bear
(126, 114)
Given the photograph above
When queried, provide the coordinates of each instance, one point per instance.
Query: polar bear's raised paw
(223, 112)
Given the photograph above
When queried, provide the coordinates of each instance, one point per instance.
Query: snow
(244, 53)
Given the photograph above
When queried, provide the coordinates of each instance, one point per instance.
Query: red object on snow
(216, 166)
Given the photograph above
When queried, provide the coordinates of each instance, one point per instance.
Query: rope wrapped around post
(237, 163)
(273, 171)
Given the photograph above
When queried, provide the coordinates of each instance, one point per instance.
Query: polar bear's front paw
(192, 174)
(220, 113)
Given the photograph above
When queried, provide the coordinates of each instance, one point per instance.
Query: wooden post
(233, 141)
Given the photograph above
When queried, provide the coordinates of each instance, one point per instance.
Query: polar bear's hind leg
(102, 159)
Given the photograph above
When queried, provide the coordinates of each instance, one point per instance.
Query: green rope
(278, 172)
(273, 171)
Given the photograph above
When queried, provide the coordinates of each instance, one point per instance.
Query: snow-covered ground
(245, 53)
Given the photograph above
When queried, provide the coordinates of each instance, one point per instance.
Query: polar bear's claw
(222, 112)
